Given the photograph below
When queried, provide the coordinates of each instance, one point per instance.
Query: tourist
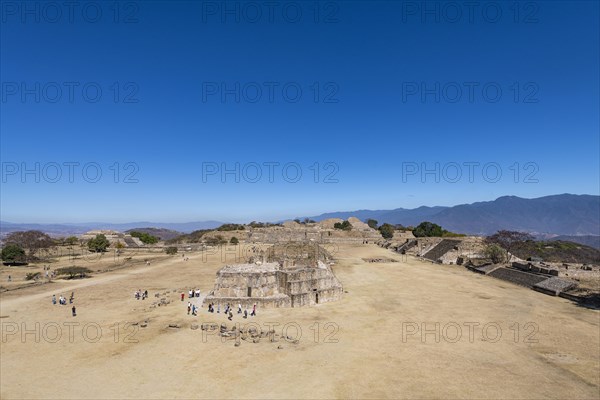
(72, 298)
(146, 293)
(253, 314)
(74, 311)
(9, 278)
(182, 296)
(219, 308)
(189, 308)
(194, 309)
(246, 313)
(239, 308)
(197, 292)
(191, 293)
(230, 315)
(54, 299)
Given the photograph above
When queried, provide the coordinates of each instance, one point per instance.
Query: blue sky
(370, 94)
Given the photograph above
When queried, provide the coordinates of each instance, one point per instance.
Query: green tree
(171, 250)
(345, 226)
(146, 238)
(71, 240)
(428, 229)
(495, 253)
(234, 240)
(13, 254)
(32, 241)
(509, 240)
(98, 244)
(372, 223)
(387, 231)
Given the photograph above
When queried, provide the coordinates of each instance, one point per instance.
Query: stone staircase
(406, 246)
(130, 242)
(442, 248)
(518, 277)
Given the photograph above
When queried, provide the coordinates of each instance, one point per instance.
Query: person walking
(182, 296)
(54, 299)
(74, 311)
(253, 314)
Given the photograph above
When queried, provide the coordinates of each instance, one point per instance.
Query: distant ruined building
(293, 274)
(114, 237)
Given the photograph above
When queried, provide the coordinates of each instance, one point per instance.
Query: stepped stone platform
(485, 269)
(554, 286)
(518, 277)
(296, 275)
(440, 249)
(129, 242)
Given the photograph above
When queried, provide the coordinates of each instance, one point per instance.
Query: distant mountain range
(564, 214)
(547, 217)
(77, 229)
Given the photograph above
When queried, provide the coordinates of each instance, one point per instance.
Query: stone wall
(274, 286)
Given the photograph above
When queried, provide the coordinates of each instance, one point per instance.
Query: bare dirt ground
(494, 340)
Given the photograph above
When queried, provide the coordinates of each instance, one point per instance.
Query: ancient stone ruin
(294, 274)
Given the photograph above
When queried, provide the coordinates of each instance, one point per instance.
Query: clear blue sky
(387, 88)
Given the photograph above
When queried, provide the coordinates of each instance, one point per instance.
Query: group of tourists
(141, 295)
(49, 274)
(229, 310)
(63, 302)
(192, 309)
(192, 293)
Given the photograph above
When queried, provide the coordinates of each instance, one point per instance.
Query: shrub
(231, 227)
(73, 272)
(171, 250)
(32, 275)
(345, 226)
(234, 240)
(216, 240)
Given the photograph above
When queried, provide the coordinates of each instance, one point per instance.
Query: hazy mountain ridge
(77, 229)
(564, 214)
